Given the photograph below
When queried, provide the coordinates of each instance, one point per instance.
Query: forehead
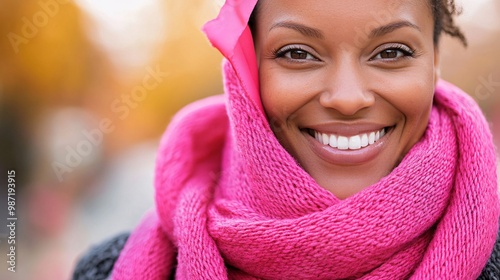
(343, 13)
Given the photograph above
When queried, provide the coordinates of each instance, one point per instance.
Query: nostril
(347, 103)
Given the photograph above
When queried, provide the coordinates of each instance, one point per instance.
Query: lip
(348, 157)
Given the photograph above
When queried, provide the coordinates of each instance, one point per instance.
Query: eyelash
(404, 49)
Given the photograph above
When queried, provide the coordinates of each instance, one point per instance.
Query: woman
(337, 154)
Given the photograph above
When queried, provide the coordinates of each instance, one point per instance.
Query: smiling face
(347, 86)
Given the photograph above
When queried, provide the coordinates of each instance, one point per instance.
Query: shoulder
(492, 269)
(97, 263)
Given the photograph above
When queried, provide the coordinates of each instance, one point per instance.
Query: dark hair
(443, 12)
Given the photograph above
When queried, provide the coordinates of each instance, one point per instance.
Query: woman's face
(347, 85)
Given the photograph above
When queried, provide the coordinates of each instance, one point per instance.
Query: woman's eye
(295, 54)
(298, 54)
(393, 53)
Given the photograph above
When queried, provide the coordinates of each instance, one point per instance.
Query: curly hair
(443, 11)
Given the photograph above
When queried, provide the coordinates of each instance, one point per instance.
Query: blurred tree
(46, 62)
(193, 70)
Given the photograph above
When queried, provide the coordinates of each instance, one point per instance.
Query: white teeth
(333, 141)
(325, 138)
(364, 140)
(371, 138)
(355, 142)
(342, 143)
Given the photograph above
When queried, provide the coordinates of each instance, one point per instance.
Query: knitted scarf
(232, 203)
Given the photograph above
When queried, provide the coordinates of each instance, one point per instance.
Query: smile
(354, 142)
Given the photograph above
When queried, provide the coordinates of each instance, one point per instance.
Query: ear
(437, 69)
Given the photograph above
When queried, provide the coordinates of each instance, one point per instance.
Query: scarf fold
(231, 203)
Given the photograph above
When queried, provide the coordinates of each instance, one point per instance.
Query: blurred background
(86, 89)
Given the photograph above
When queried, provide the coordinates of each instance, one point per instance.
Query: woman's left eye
(394, 53)
(298, 54)
(294, 53)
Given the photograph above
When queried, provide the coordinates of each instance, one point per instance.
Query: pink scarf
(231, 203)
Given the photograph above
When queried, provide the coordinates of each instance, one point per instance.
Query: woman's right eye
(295, 53)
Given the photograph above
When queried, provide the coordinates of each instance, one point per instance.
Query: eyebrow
(316, 33)
(388, 28)
(303, 29)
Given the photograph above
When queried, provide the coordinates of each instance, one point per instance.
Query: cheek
(413, 98)
(410, 92)
(273, 101)
(418, 100)
(283, 93)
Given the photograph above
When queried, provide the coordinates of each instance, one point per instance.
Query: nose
(346, 90)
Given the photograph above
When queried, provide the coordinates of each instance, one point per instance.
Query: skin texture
(346, 67)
